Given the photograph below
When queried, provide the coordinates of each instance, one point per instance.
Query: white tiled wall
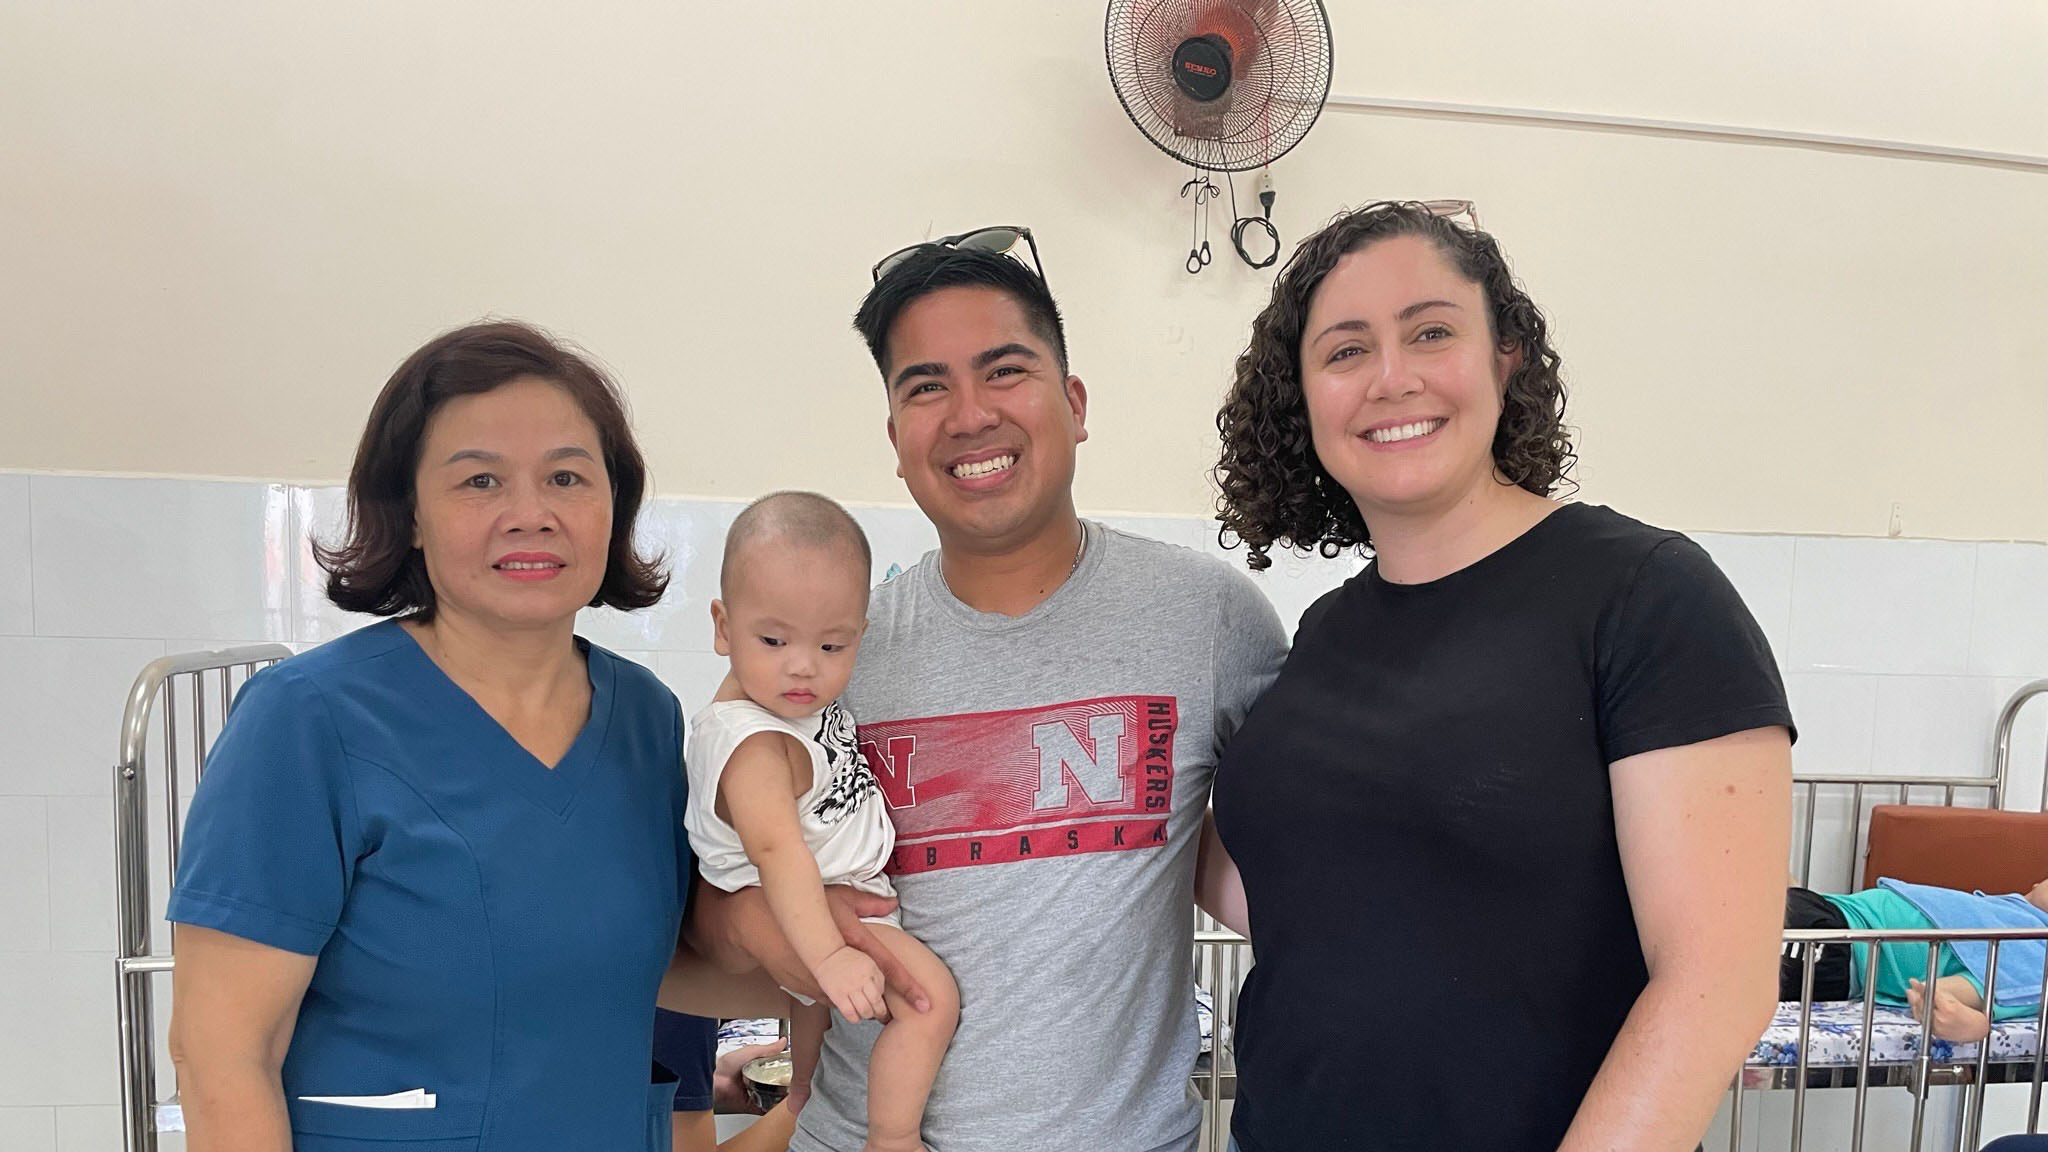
(17, 595)
(1896, 654)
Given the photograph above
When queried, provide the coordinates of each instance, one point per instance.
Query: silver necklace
(1079, 551)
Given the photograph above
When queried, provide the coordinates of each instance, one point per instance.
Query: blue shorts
(688, 1047)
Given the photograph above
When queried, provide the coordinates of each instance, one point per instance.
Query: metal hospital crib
(1859, 1045)
(186, 700)
(183, 701)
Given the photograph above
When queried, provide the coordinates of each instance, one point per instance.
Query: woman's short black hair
(375, 568)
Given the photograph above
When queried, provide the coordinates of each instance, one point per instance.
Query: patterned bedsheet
(1836, 1038)
(743, 1033)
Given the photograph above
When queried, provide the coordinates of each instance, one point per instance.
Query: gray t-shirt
(1047, 774)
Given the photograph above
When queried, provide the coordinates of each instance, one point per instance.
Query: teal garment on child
(1881, 908)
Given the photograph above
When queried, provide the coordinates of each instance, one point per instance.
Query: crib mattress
(1836, 1039)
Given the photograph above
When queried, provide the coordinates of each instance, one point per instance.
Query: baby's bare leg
(807, 1024)
(906, 1057)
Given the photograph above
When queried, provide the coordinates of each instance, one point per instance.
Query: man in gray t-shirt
(1048, 773)
(1042, 701)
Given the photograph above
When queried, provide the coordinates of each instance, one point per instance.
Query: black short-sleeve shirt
(1420, 808)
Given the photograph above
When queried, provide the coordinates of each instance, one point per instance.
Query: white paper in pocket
(416, 1098)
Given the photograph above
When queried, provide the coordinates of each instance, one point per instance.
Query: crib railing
(1865, 792)
(2001, 737)
(186, 699)
(1222, 958)
(1982, 791)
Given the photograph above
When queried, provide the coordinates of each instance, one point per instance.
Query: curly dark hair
(1274, 489)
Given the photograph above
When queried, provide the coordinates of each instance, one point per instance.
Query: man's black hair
(930, 269)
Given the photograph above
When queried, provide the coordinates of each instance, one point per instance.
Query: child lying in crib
(1840, 970)
(780, 796)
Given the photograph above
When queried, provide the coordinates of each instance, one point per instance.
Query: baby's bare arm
(759, 791)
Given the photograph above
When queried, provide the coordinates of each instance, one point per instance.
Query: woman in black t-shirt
(1511, 825)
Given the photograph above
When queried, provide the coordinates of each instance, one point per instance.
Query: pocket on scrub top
(455, 1122)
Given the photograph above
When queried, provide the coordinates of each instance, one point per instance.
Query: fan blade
(1238, 24)
(1241, 27)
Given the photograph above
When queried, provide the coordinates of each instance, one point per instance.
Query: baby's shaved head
(799, 519)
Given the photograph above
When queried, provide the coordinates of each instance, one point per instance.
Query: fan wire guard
(1280, 76)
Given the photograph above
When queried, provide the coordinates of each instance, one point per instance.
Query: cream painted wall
(221, 226)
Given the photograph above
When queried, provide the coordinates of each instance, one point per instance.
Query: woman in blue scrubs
(435, 869)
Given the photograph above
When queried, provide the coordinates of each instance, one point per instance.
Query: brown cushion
(1964, 848)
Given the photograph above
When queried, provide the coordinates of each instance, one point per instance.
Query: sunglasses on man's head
(1000, 239)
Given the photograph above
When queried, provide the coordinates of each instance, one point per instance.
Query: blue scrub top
(487, 929)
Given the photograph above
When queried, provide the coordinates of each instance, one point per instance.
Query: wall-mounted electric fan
(1222, 86)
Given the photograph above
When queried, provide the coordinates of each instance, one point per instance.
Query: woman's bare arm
(234, 1004)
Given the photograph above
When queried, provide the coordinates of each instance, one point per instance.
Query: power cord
(1243, 224)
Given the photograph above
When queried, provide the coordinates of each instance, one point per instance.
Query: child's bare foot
(799, 1095)
(883, 1144)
